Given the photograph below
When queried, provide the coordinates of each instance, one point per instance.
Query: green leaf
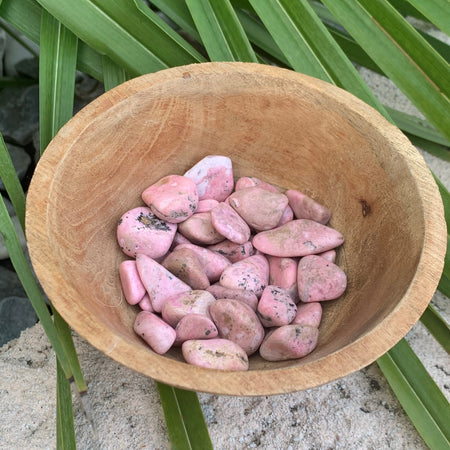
(138, 39)
(184, 419)
(418, 394)
(113, 75)
(11, 182)
(406, 9)
(65, 431)
(437, 11)
(394, 46)
(57, 66)
(434, 149)
(220, 30)
(437, 326)
(444, 282)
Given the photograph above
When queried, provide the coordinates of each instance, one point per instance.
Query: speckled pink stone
(308, 314)
(173, 198)
(319, 280)
(132, 286)
(145, 304)
(289, 342)
(305, 207)
(195, 326)
(287, 216)
(283, 273)
(140, 231)
(275, 307)
(199, 229)
(213, 176)
(156, 333)
(330, 255)
(158, 281)
(219, 354)
(206, 205)
(298, 238)
(245, 182)
(232, 251)
(230, 224)
(247, 297)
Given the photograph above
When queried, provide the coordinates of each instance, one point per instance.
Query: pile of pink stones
(224, 274)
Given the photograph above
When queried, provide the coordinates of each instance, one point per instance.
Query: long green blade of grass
(421, 399)
(12, 183)
(220, 30)
(25, 15)
(437, 11)
(138, 39)
(184, 419)
(113, 75)
(65, 431)
(294, 25)
(437, 326)
(373, 29)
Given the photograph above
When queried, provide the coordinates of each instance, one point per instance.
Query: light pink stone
(158, 335)
(145, 304)
(298, 238)
(173, 198)
(179, 239)
(158, 281)
(305, 207)
(230, 224)
(213, 264)
(287, 216)
(275, 307)
(289, 342)
(319, 280)
(245, 182)
(184, 264)
(140, 231)
(330, 255)
(247, 297)
(213, 176)
(308, 314)
(178, 306)
(206, 205)
(237, 322)
(261, 209)
(283, 273)
(132, 286)
(219, 354)
(195, 326)
(250, 274)
(232, 251)
(199, 229)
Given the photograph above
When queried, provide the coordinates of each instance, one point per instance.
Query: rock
(330, 255)
(2, 49)
(199, 229)
(305, 207)
(173, 198)
(37, 148)
(213, 176)
(247, 297)
(245, 182)
(232, 251)
(158, 335)
(132, 286)
(16, 314)
(28, 67)
(297, 238)
(15, 52)
(10, 285)
(308, 314)
(20, 159)
(283, 273)
(195, 326)
(287, 216)
(206, 205)
(219, 354)
(145, 304)
(3, 251)
(230, 224)
(276, 308)
(19, 114)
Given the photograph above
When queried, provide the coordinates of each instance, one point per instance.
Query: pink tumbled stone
(219, 354)
(213, 176)
(237, 322)
(308, 314)
(213, 263)
(283, 273)
(145, 304)
(247, 297)
(305, 207)
(298, 238)
(140, 231)
(158, 281)
(330, 255)
(230, 224)
(319, 280)
(132, 286)
(184, 264)
(158, 335)
(179, 239)
(206, 205)
(275, 307)
(245, 182)
(199, 229)
(289, 342)
(261, 209)
(195, 326)
(250, 274)
(173, 198)
(287, 216)
(232, 251)
(176, 307)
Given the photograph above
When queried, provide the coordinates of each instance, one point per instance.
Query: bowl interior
(287, 129)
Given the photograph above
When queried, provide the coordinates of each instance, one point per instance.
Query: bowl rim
(352, 357)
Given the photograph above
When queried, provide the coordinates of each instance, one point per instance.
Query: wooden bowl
(283, 127)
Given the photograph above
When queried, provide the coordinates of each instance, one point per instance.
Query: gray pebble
(10, 285)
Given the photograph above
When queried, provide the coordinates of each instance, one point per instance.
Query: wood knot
(186, 75)
(366, 210)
